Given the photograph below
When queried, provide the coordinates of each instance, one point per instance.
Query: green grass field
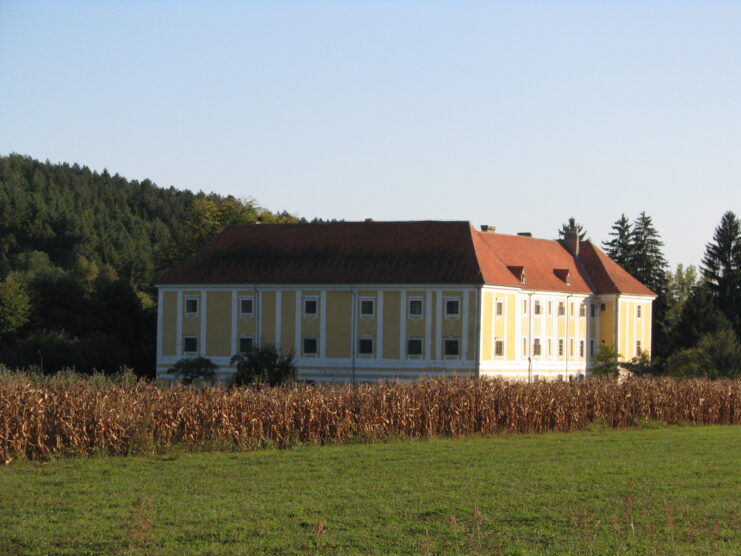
(653, 490)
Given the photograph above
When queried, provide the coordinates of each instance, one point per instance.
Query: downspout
(353, 347)
(530, 337)
(568, 345)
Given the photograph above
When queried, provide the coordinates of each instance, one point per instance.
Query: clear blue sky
(517, 114)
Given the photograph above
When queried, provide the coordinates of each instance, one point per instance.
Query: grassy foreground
(653, 490)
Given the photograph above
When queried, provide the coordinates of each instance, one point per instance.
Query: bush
(191, 368)
(716, 355)
(263, 366)
(605, 361)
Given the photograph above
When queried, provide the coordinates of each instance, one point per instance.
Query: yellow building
(367, 301)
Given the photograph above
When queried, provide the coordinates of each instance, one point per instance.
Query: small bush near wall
(263, 366)
(192, 368)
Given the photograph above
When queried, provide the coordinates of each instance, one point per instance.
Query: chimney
(525, 234)
(488, 228)
(369, 220)
(571, 241)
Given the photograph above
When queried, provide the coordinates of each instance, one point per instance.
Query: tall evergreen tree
(572, 225)
(721, 268)
(647, 262)
(619, 248)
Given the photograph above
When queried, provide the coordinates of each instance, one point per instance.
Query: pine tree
(619, 248)
(571, 225)
(646, 261)
(721, 268)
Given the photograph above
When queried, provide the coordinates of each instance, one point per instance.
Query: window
(451, 346)
(246, 306)
(524, 306)
(498, 347)
(500, 308)
(414, 346)
(536, 346)
(561, 309)
(591, 348)
(536, 307)
(310, 306)
(415, 307)
(191, 306)
(638, 311)
(571, 309)
(311, 345)
(560, 347)
(638, 347)
(602, 307)
(367, 307)
(571, 347)
(591, 310)
(365, 346)
(190, 344)
(524, 347)
(550, 347)
(245, 344)
(452, 307)
(581, 348)
(550, 308)
(582, 310)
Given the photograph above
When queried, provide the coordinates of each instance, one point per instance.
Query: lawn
(651, 490)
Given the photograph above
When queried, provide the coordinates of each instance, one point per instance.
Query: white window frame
(498, 343)
(638, 348)
(448, 315)
(537, 348)
(537, 308)
(561, 308)
(194, 337)
(421, 307)
(372, 339)
(550, 307)
(421, 347)
(639, 311)
(246, 298)
(455, 339)
(499, 307)
(582, 309)
(245, 337)
(582, 349)
(303, 345)
(561, 347)
(197, 299)
(308, 298)
(372, 301)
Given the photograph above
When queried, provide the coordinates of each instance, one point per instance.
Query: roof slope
(423, 252)
(335, 253)
(607, 275)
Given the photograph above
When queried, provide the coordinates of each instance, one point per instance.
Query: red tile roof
(423, 252)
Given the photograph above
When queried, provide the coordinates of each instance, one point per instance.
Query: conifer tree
(721, 268)
(620, 246)
(646, 261)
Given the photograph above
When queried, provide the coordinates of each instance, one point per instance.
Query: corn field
(80, 417)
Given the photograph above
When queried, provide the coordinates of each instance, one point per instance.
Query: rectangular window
(190, 345)
(452, 307)
(498, 347)
(550, 347)
(414, 346)
(311, 306)
(591, 310)
(561, 309)
(311, 345)
(500, 308)
(246, 306)
(560, 347)
(524, 306)
(524, 347)
(536, 346)
(638, 347)
(581, 348)
(638, 311)
(571, 309)
(582, 310)
(415, 307)
(536, 307)
(602, 307)
(451, 346)
(550, 308)
(571, 347)
(367, 307)
(245, 344)
(365, 346)
(191, 306)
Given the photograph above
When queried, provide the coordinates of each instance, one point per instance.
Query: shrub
(605, 361)
(716, 355)
(264, 365)
(191, 368)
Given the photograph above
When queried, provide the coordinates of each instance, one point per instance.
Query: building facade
(369, 301)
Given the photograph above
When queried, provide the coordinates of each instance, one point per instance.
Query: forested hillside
(79, 251)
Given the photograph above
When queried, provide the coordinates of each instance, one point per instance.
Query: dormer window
(563, 274)
(519, 272)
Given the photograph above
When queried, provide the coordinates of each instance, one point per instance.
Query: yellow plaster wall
(218, 323)
(267, 318)
(169, 322)
(367, 326)
(288, 321)
(192, 324)
(339, 324)
(510, 313)
(487, 324)
(607, 321)
(391, 320)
